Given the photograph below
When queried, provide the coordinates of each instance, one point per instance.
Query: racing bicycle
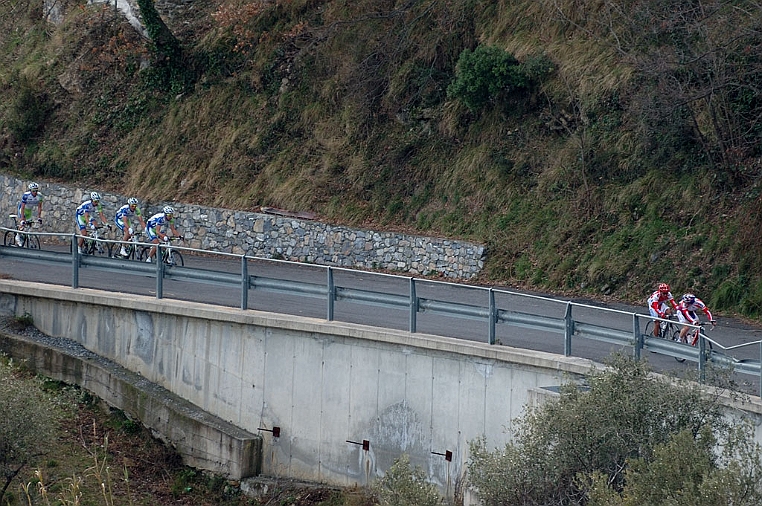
(93, 245)
(169, 255)
(692, 338)
(27, 240)
(131, 247)
(667, 327)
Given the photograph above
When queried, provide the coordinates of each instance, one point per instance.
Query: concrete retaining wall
(270, 236)
(327, 386)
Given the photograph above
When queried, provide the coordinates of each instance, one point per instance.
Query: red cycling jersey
(659, 299)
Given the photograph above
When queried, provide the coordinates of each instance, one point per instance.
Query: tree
(605, 435)
(170, 70)
(26, 423)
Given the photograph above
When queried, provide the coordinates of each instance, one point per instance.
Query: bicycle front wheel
(32, 242)
(174, 258)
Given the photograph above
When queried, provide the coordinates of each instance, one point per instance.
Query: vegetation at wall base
(58, 445)
(596, 150)
(624, 437)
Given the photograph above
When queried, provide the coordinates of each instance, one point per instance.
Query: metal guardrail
(489, 312)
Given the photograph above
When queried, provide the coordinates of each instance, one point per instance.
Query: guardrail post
(413, 306)
(159, 272)
(568, 331)
(638, 335)
(492, 316)
(74, 262)
(244, 283)
(702, 356)
(331, 293)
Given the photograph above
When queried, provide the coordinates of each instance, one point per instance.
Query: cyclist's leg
(81, 225)
(656, 326)
(153, 237)
(125, 237)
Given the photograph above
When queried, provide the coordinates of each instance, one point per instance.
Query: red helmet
(664, 288)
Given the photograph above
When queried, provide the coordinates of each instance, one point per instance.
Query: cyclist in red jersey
(659, 304)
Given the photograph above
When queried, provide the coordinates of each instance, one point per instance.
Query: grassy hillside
(617, 146)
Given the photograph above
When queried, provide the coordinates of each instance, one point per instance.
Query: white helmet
(169, 210)
(33, 187)
(95, 196)
(132, 201)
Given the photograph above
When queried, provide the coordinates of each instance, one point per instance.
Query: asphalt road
(729, 333)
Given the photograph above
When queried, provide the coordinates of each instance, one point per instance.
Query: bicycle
(169, 255)
(667, 327)
(30, 241)
(131, 247)
(93, 246)
(691, 337)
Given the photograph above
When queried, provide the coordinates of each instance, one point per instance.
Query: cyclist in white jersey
(29, 200)
(123, 219)
(686, 313)
(84, 216)
(155, 226)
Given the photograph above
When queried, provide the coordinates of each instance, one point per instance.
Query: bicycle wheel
(32, 242)
(649, 332)
(143, 253)
(9, 239)
(676, 338)
(131, 253)
(174, 259)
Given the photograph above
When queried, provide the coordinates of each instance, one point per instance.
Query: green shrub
(403, 485)
(483, 73)
(488, 71)
(29, 111)
(588, 441)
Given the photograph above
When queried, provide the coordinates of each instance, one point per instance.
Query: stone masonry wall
(269, 236)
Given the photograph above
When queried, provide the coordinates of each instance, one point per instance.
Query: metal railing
(485, 308)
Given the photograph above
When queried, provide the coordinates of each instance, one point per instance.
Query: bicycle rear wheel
(9, 239)
(649, 332)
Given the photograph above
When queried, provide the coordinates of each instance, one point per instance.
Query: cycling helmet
(95, 196)
(664, 288)
(33, 187)
(132, 201)
(689, 298)
(169, 210)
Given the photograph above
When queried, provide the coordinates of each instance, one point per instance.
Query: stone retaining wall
(270, 236)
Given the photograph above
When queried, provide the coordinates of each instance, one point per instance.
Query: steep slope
(627, 153)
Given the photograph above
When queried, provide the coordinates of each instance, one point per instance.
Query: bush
(488, 71)
(612, 436)
(403, 485)
(28, 112)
